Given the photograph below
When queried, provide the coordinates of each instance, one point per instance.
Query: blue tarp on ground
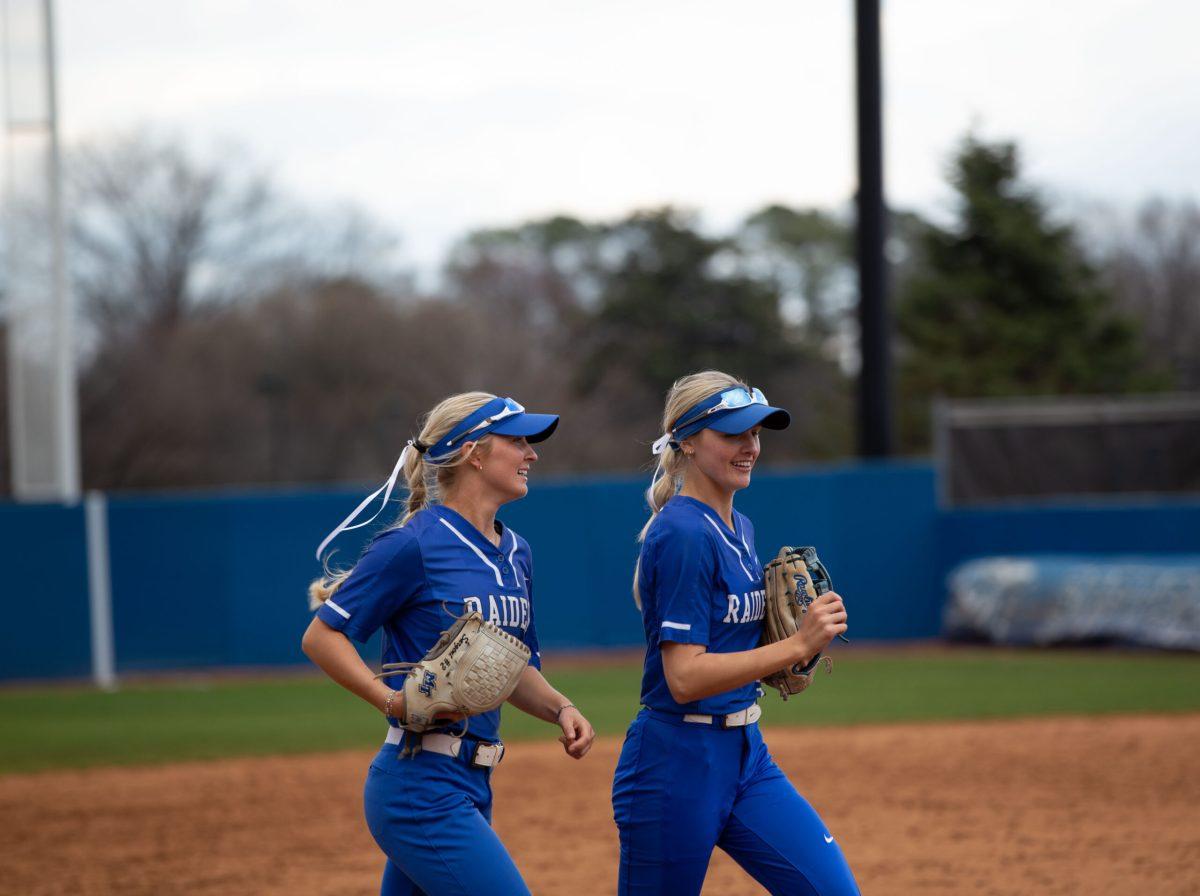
(1144, 601)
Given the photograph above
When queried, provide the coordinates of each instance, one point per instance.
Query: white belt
(747, 716)
(486, 755)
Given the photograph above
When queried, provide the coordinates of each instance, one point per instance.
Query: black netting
(989, 454)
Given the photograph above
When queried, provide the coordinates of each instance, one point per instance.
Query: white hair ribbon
(660, 444)
(658, 474)
(386, 488)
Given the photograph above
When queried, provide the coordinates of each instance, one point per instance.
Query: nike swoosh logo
(828, 839)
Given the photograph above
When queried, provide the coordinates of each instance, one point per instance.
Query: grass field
(56, 727)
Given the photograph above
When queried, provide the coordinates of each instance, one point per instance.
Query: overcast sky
(440, 117)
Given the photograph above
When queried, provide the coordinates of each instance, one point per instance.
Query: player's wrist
(802, 649)
(393, 705)
(558, 715)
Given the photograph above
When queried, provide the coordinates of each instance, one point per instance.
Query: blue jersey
(700, 583)
(411, 579)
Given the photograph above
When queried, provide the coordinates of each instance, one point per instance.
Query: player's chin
(739, 478)
(514, 490)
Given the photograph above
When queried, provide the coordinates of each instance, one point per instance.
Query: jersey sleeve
(530, 637)
(684, 569)
(387, 576)
(524, 560)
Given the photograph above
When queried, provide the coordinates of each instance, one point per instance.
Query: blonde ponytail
(416, 479)
(322, 588)
(668, 478)
(425, 481)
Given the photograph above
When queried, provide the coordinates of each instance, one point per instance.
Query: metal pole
(104, 667)
(66, 405)
(43, 404)
(874, 398)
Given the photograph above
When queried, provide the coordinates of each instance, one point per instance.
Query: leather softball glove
(473, 668)
(794, 579)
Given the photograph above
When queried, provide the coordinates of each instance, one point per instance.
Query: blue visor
(502, 416)
(731, 411)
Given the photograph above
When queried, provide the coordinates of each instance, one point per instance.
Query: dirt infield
(1099, 805)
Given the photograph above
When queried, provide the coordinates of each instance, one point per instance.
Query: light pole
(874, 383)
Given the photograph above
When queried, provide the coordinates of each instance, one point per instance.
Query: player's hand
(577, 733)
(824, 621)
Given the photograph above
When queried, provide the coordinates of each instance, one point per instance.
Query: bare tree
(1150, 259)
(313, 384)
(191, 273)
(532, 289)
(160, 232)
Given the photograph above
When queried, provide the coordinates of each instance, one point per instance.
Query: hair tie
(419, 445)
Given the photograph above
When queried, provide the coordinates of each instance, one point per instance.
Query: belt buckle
(487, 755)
(742, 718)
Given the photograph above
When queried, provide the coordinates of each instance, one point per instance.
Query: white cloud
(439, 117)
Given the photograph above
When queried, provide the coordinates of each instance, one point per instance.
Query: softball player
(430, 812)
(694, 772)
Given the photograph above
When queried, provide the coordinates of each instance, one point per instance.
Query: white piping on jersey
(750, 553)
(683, 627)
(730, 545)
(516, 575)
(478, 553)
(336, 608)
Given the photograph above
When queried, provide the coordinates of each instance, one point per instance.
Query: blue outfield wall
(214, 580)
(219, 580)
(1100, 527)
(874, 527)
(46, 632)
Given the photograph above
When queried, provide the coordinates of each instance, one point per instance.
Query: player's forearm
(537, 697)
(693, 674)
(333, 653)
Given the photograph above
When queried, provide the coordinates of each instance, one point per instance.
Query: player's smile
(742, 468)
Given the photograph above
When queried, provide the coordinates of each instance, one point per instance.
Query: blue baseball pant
(431, 815)
(682, 789)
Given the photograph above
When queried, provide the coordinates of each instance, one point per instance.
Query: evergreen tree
(675, 302)
(1004, 303)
